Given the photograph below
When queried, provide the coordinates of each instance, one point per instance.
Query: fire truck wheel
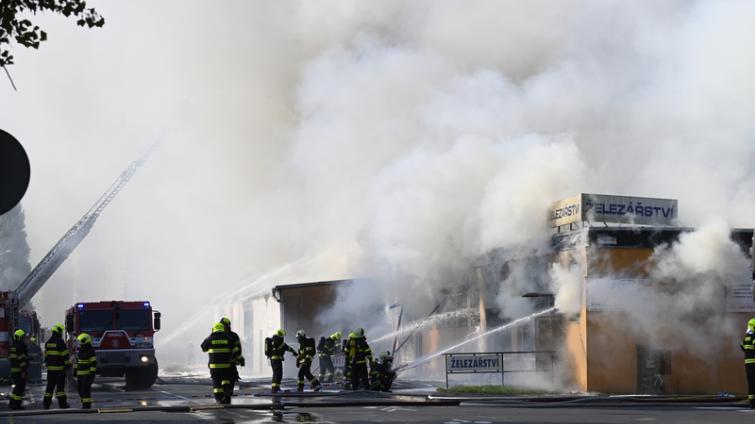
(141, 378)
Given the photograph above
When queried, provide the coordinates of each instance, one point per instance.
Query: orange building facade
(604, 351)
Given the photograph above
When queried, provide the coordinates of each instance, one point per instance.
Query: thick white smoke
(683, 297)
(398, 140)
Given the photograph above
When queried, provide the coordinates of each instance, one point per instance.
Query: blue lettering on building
(622, 209)
(474, 363)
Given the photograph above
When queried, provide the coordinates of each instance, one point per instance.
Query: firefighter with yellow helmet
(275, 348)
(57, 360)
(19, 362)
(86, 368)
(748, 347)
(219, 347)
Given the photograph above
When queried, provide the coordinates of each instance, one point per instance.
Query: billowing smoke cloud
(683, 297)
(398, 140)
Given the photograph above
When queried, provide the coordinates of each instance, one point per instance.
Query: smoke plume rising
(396, 140)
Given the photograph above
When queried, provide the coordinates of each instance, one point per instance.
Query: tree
(14, 249)
(23, 32)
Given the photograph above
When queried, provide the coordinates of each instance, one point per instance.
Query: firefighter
(237, 360)
(275, 348)
(86, 368)
(57, 360)
(34, 352)
(358, 355)
(346, 362)
(219, 347)
(382, 374)
(304, 361)
(19, 362)
(748, 346)
(326, 348)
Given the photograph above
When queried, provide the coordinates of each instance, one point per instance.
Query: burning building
(643, 325)
(642, 305)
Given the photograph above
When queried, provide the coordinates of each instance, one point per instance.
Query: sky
(307, 141)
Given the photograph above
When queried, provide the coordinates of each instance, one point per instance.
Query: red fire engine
(122, 334)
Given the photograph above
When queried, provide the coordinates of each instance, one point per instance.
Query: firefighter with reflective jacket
(237, 360)
(304, 361)
(748, 346)
(358, 355)
(382, 374)
(57, 360)
(19, 362)
(275, 348)
(326, 348)
(219, 348)
(86, 368)
(346, 362)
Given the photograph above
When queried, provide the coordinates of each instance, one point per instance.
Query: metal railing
(541, 361)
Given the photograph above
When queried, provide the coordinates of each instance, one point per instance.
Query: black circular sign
(14, 172)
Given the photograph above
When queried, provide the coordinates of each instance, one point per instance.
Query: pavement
(188, 399)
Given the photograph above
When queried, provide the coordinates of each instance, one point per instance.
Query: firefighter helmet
(336, 336)
(225, 321)
(301, 335)
(84, 338)
(386, 356)
(57, 328)
(751, 324)
(281, 332)
(19, 334)
(360, 332)
(218, 327)
(352, 335)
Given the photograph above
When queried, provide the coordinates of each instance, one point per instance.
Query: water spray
(517, 321)
(426, 322)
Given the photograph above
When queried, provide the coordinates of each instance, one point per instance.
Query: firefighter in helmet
(86, 368)
(382, 374)
(218, 347)
(304, 361)
(326, 348)
(358, 355)
(748, 347)
(275, 348)
(57, 360)
(237, 360)
(19, 362)
(347, 363)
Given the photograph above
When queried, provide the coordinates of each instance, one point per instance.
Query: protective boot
(300, 387)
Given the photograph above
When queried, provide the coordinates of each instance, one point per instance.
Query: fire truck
(16, 310)
(11, 318)
(122, 335)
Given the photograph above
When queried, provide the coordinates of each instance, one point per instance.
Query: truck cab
(122, 335)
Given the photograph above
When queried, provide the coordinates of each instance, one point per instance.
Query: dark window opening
(95, 320)
(131, 320)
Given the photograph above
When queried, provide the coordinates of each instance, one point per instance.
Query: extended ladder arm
(68, 243)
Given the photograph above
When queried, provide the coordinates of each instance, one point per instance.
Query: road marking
(397, 408)
(722, 408)
(173, 394)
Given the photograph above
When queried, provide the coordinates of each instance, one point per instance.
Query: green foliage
(492, 390)
(25, 33)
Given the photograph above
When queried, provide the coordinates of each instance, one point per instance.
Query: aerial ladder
(68, 243)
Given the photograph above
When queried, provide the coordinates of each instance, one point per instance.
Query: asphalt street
(180, 400)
